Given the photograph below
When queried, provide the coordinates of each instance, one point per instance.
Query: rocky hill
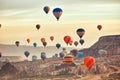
(109, 43)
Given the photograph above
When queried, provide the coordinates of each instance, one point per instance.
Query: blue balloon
(57, 12)
(80, 55)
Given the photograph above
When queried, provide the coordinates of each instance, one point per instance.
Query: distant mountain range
(13, 50)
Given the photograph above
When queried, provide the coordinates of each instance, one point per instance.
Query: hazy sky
(19, 17)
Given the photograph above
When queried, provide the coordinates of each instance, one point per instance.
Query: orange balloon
(28, 40)
(89, 62)
(43, 40)
(51, 38)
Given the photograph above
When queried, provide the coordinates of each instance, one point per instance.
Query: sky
(19, 18)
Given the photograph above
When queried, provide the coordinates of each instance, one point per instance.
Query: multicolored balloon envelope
(80, 32)
(57, 12)
(46, 9)
(89, 62)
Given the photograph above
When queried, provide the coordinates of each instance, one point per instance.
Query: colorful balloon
(80, 32)
(51, 38)
(17, 43)
(89, 62)
(28, 40)
(67, 39)
(26, 53)
(35, 44)
(58, 45)
(38, 26)
(43, 40)
(99, 27)
(57, 12)
(80, 55)
(81, 41)
(76, 43)
(46, 9)
(70, 42)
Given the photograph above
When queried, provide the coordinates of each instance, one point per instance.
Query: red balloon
(70, 42)
(89, 62)
(67, 39)
(99, 27)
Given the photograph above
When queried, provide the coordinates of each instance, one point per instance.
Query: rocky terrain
(106, 67)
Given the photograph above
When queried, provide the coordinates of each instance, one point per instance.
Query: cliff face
(109, 43)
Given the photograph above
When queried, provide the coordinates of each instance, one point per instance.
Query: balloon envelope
(76, 43)
(46, 9)
(99, 27)
(43, 40)
(51, 38)
(81, 41)
(58, 45)
(102, 52)
(38, 26)
(89, 62)
(28, 40)
(17, 43)
(80, 55)
(80, 32)
(67, 39)
(26, 53)
(35, 44)
(57, 12)
(44, 44)
(0, 54)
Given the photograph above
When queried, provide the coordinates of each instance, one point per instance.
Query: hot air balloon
(67, 39)
(28, 40)
(89, 62)
(68, 60)
(35, 44)
(43, 40)
(43, 56)
(46, 9)
(80, 32)
(76, 43)
(44, 44)
(38, 26)
(0, 25)
(58, 45)
(61, 55)
(99, 27)
(26, 53)
(51, 38)
(17, 43)
(34, 57)
(0, 54)
(70, 42)
(102, 52)
(74, 52)
(57, 12)
(81, 41)
(80, 55)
